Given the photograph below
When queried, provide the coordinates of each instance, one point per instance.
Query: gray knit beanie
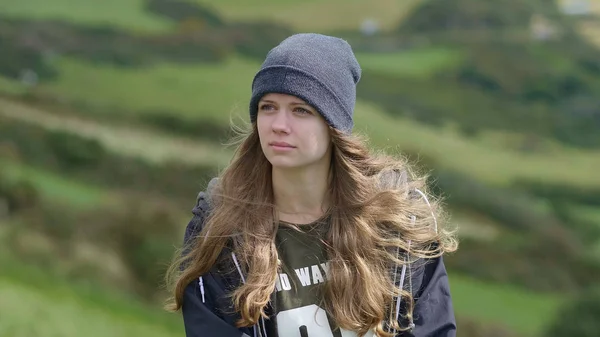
(322, 70)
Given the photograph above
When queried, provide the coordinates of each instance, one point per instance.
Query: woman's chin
(284, 164)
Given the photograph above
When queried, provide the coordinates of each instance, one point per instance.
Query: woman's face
(292, 133)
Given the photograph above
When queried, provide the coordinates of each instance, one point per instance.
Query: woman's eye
(266, 107)
(303, 111)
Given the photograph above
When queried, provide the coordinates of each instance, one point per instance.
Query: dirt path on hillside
(136, 141)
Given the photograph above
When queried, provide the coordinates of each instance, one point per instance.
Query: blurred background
(113, 114)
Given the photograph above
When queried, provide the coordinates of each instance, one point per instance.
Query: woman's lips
(281, 146)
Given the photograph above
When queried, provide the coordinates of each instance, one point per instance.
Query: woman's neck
(301, 196)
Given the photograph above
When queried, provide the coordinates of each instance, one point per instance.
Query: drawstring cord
(401, 287)
(411, 324)
(431, 209)
(239, 269)
(201, 284)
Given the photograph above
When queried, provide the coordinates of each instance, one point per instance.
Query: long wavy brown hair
(373, 217)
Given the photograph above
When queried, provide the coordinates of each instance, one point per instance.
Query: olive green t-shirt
(296, 303)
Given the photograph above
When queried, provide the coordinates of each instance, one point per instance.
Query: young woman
(307, 232)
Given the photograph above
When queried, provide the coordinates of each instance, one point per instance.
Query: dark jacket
(207, 312)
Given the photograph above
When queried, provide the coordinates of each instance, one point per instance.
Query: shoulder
(393, 179)
(204, 199)
(402, 180)
(201, 210)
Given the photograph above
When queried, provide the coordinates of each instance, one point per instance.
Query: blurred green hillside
(113, 115)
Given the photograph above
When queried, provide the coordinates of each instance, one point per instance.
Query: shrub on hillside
(578, 318)
(191, 46)
(527, 261)
(471, 328)
(511, 207)
(16, 59)
(183, 10)
(472, 15)
(73, 154)
(205, 129)
(255, 39)
(54, 222)
(16, 195)
(144, 234)
(561, 198)
(141, 233)
(560, 192)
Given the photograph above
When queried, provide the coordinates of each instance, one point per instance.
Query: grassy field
(55, 187)
(10, 86)
(59, 308)
(420, 63)
(312, 15)
(196, 91)
(65, 315)
(522, 311)
(128, 14)
(316, 15)
(587, 213)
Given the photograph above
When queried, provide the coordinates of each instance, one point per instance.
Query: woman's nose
(281, 121)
